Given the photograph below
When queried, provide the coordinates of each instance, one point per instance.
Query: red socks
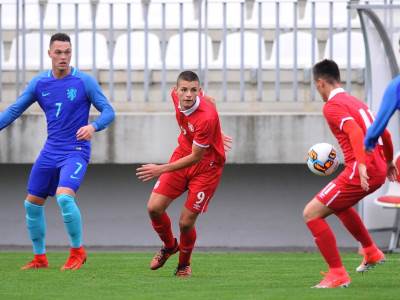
(162, 225)
(186, 245)
(352, 221)
(326, 242)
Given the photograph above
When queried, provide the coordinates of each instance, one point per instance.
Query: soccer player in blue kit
(65, 94)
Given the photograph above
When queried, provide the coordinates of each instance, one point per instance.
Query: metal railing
(205, 64)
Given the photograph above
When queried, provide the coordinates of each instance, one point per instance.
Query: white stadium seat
(322, 8)
(137, 53)
(85, 50)
(233, 58)
(215, 13)
(172, 14)
(120, 15)
(32, 52)
(68, 14)
(268, 14)
(9, 14)
(190, 58)
(286, 46)
(339, 47)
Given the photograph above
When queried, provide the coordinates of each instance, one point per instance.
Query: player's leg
(41, 183)
(71, 175)
(36, 225)
(187, 241)
(353, 223)
(314, 216)
(168, 187)
(372, 254)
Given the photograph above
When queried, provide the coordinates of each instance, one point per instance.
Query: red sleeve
(175, 99)
(203, 134)
(336, 114)
(356, 137)
(387, 145)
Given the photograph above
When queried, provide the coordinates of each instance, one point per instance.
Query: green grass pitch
(216, 275)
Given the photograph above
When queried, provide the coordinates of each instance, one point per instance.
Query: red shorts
(201, 180)
(345, 191)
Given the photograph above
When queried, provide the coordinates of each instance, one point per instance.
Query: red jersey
(342, 107)
(200, 126)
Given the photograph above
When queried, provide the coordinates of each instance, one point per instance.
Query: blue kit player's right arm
(26, 99)
(390, 102)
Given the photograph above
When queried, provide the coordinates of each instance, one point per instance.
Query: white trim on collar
(191, 110)
(334, 92)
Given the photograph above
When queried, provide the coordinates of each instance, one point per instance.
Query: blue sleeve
(26, 99)
(101, 103)
(390, 103)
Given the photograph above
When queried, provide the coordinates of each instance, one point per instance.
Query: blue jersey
(66, 103)
(390, 103)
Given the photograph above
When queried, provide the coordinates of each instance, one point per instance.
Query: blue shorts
(50, 172)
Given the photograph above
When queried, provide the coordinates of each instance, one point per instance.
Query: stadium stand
(85, 50)
(67, 14)
(305, 42)
(190, 59)
(137, 51)
(268, 14)
(120, 15)
(339, 50)
(172, 14)
(163, 42)
(32, 55)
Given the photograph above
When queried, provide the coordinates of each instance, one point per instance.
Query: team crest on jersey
(191, 127)
(71, 93)
(183, 130)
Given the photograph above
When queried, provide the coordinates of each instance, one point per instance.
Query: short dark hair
(188, 76)
(327, 69)
(62, 37)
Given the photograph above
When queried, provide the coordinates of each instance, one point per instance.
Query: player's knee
(185, 225)
(308, 214)
(154, 210)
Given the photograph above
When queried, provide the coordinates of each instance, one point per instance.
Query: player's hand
(362, 170)
(85, 132)
(148, 172)
(227, 142)
(392, 172)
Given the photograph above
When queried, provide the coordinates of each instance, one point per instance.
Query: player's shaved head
(187, 76)
(328, 70)
(62, 37)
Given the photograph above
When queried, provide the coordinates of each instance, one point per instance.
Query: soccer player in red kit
(348, 119)
(196, 165)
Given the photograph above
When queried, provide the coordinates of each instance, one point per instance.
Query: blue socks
(36, 225)
(72, 219)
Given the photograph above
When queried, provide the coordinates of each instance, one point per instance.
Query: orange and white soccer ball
(322, 159)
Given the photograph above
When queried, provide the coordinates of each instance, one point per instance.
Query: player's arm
(392, 171)
(356, 136)
(100, 102)
(11, 113)
(226, 138)
(388, 106)
(150, 171)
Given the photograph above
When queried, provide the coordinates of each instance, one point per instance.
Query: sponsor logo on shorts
(157, 184)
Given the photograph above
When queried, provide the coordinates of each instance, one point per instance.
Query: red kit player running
(348, 119)
(196, 165)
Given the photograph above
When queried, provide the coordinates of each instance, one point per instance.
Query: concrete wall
(151, 137)
(255, 206)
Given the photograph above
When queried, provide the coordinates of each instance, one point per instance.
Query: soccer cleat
(39, 262)
(370, 261)
(76, 259)
(334, 279)
(183, 271)
(162, 256)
